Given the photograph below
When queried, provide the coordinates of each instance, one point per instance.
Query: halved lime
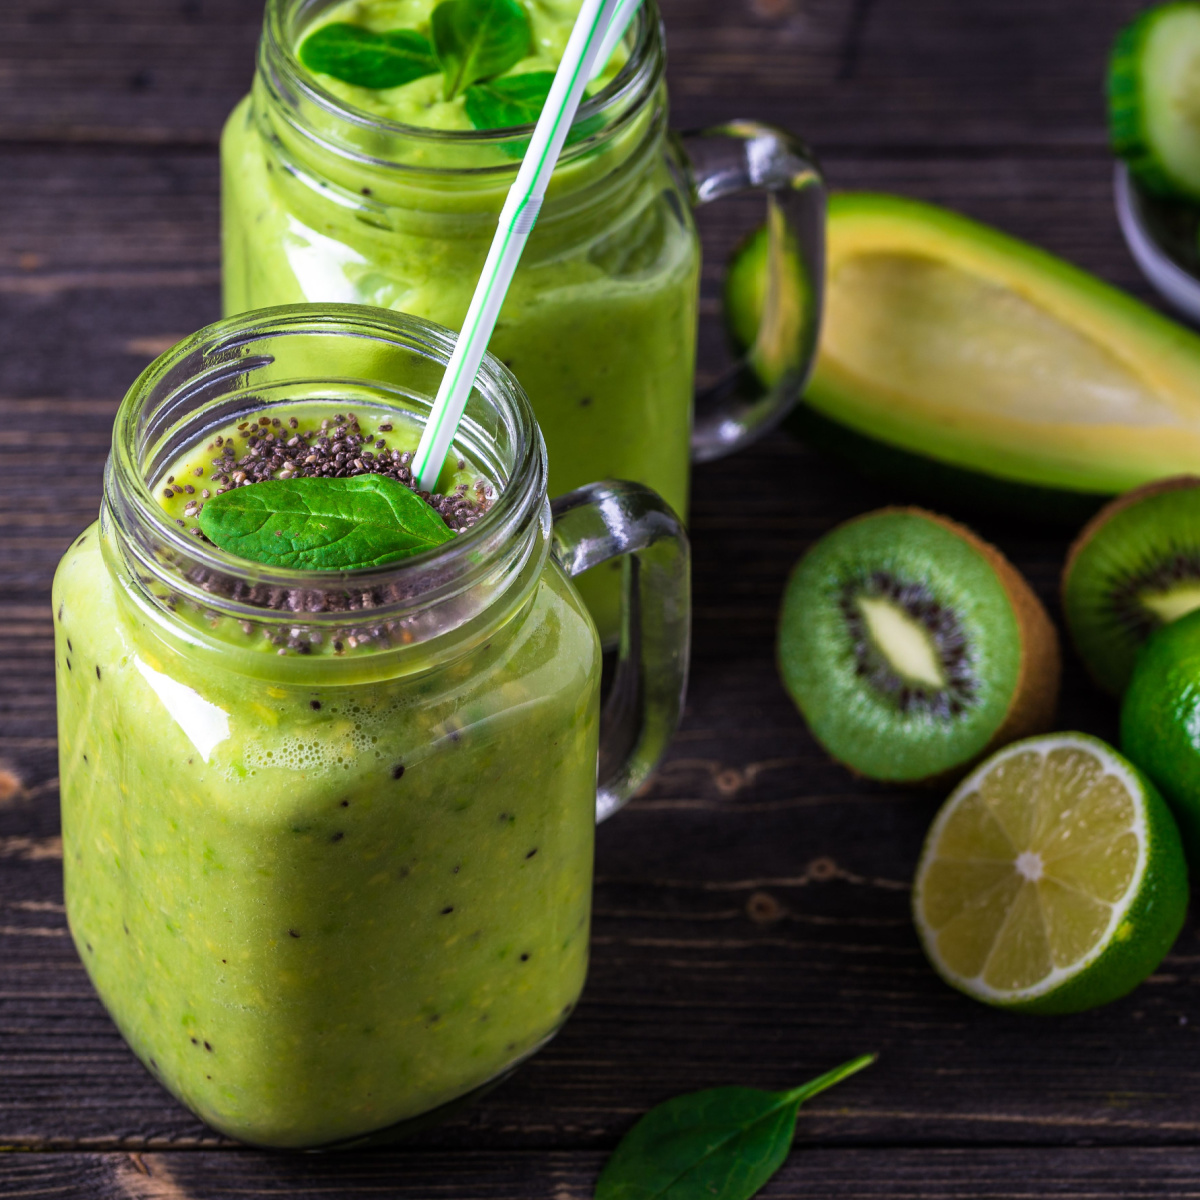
(1053, 878)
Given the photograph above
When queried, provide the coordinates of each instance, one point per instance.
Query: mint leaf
(721, 1144)
(319, 524)
(476, 39)
(367, 59)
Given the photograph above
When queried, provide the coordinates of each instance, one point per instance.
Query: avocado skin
(937, 482)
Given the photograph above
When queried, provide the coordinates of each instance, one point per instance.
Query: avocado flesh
(946, 342)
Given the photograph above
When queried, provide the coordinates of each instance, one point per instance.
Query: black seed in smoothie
(69, 646)
(195, 1041)
(447, 910)
(398, 771)
(337, 837)
(125, 927)
(97, 672)
(345, 803)
(89, 946)
(208, 1047)
(293, 933)
(366, 191)
(85, 758)
(585, 402)
(532, 852)
(315, 705)
(60, 610)
(457, 868)
(81, 540)
(525, 957)
(69, 667)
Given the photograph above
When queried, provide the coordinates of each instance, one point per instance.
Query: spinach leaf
(318, 524)
(721, 1144)
(513, 100)
(477, 39)
(367, 59)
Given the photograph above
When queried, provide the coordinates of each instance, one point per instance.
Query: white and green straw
(597, 19)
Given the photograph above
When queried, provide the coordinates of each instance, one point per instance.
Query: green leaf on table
(477, 39)
(368, 59)
(316, 524)
(721, 1144)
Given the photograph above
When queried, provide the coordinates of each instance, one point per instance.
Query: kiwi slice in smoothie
(1134, 568)
(912, 648)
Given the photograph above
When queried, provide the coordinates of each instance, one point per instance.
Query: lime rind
(1141, 926)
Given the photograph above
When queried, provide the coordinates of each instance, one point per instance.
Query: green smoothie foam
(600, 323)
(314, 908)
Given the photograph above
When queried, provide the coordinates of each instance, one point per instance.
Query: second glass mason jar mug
(328, 836)
(325, 202)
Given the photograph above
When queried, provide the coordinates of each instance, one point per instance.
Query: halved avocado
(953, 354)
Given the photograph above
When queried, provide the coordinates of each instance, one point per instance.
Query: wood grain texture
(751, 919)
(864, 73)
(810, 1174)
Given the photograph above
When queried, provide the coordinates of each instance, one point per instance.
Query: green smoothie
(326, 201)
(323, 884)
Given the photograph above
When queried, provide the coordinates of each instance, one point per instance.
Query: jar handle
(762, 387)
(591, 525)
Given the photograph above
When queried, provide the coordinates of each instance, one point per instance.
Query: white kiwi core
(1174, 603)
(903, 642)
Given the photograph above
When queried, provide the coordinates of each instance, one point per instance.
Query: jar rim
(222, 351)
(624, 94)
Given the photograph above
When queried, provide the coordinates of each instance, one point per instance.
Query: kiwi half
(1133, 568)
(912, 648)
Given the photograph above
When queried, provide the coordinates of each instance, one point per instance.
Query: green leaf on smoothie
(477, 39)
(722, 1144)
(513, 100)
(316, 524)
(368, 59)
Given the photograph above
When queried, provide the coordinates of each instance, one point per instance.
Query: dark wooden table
(751, 917)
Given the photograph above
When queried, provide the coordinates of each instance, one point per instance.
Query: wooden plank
(864, 73)
(810, 1174)
(751, 921)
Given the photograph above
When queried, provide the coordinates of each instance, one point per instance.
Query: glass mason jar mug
(323, 201)
(328, 835)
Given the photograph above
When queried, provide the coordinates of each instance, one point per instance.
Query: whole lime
(1160, 721)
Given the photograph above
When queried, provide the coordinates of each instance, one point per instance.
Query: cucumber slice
(1154, 99)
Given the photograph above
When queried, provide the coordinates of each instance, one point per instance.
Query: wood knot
(821, 869)
(763, 909)
(729, 781)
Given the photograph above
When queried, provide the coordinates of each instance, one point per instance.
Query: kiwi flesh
(1134, 568)
(912, 648)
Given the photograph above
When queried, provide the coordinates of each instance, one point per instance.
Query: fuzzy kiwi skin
(1034, 700)
(1087, 534)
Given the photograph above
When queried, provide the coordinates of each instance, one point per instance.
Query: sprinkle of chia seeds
(398, 771)
(532, 852)
(168, 493)
(198, 471)
(447, 910)
(524, 957)
(97, 672)
(208, 1047)
(170, 478)
(315, 705)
